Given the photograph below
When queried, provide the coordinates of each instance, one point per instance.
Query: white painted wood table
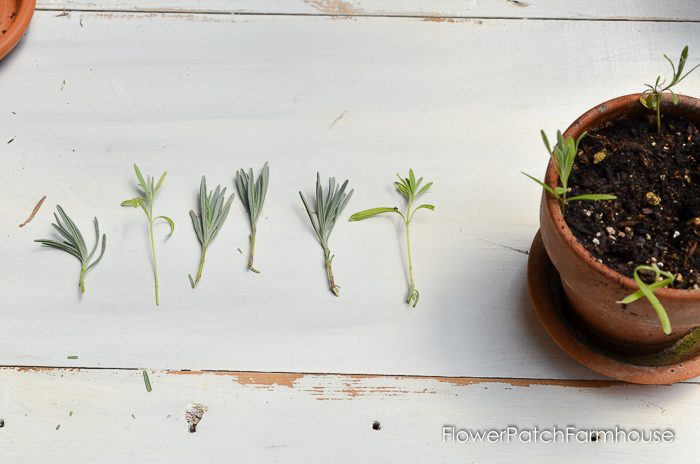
(458, 90)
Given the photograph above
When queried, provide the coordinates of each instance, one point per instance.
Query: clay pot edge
(562, 228)
(16, 30)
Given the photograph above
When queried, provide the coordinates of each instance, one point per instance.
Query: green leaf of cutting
(647, 290)
(593, 197)
(169, 221)
(368, 213)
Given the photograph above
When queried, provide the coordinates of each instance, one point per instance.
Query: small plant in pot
(620, 221)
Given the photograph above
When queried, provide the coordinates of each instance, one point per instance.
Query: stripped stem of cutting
(252, 193)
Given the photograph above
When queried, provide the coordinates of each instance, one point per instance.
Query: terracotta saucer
(15, 16)
(553, 311)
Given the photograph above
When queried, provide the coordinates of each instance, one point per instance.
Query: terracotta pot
(15, 16)
(593, 288)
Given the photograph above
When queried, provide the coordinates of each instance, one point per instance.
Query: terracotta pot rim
(562, 228)
(25, 11)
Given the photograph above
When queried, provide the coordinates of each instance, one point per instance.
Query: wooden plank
(638, 10)
(107, 416)
(87, 95)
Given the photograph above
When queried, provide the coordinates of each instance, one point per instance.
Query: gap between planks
(430, 18)
(288, 379)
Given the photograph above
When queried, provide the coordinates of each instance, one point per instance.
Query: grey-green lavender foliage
(252, 193)
(326, 211)
(149, 188)
(73, 243)
(213, 209)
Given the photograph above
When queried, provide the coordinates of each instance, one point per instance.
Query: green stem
(413, 294)
(199, 271)
(563, 198)
(410, 260)
(252, 251)
(329, 270)
(658, 116)
(153, 250)
(82, 279)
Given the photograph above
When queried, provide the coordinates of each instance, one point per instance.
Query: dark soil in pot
(656, 177)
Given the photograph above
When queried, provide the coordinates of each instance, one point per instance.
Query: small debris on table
(147, 381)
(193, 415)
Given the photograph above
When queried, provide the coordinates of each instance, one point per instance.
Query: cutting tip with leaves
(73, 243)
(660, 279)
(327, 209)
(213, 209)
(651, 97)
(252, 193)
(411, 189)
(563, 156)
(149, 188)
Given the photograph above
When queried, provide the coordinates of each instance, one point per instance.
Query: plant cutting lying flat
(563, 156)
(651, 97)
(411, 189)
(149, 190)
(212, 214)
(73, 243)
(252, 193)
(647, 291)
(323, 218)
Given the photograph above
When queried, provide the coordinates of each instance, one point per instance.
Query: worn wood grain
(107, 416)
(638, 10)
(268, 358)
(86, 95)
